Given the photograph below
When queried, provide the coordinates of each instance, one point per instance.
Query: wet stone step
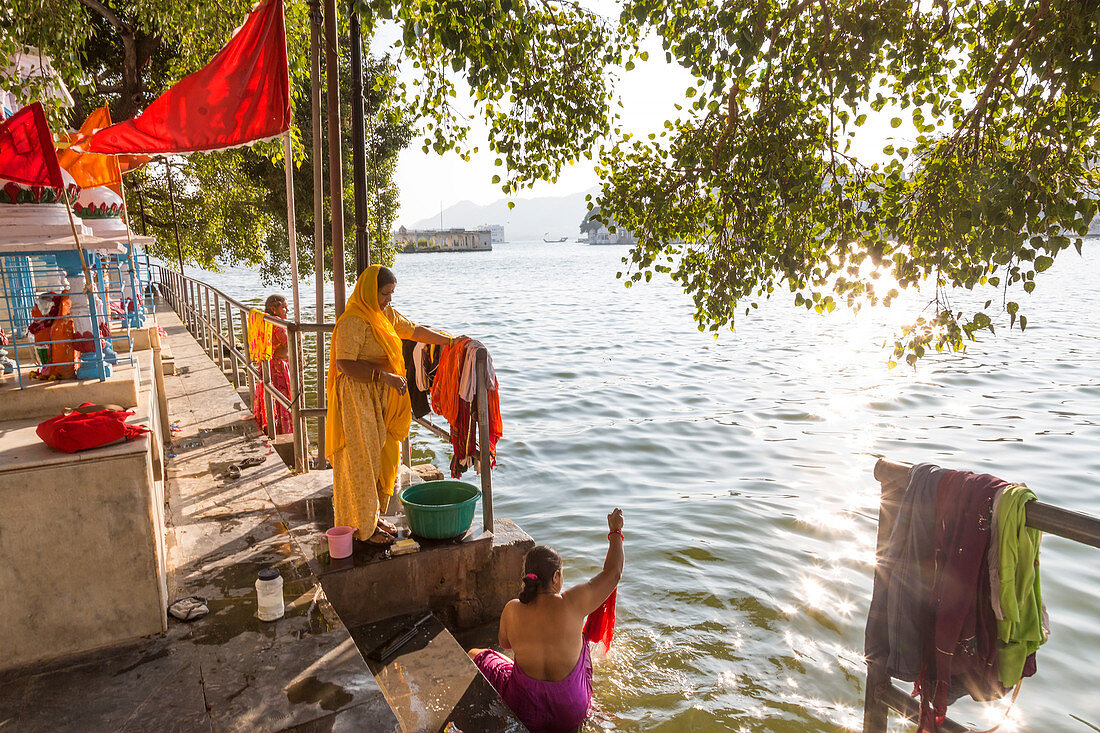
(429, 681)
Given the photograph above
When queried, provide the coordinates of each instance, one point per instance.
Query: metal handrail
(200, 311)
(882, 695)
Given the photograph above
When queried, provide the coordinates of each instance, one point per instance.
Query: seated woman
(549, 685)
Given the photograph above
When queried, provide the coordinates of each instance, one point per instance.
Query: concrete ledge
(46, 399)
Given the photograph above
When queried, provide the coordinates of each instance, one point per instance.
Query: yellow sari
(366, 422)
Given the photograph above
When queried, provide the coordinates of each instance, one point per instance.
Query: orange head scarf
(363, 303)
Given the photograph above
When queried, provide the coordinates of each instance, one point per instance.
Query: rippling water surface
(743, 466)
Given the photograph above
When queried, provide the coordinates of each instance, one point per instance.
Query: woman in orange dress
(279, 370)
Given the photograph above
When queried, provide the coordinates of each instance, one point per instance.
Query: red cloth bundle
(80, 430)
(599, 627)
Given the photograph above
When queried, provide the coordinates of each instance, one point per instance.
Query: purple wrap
(541, 706)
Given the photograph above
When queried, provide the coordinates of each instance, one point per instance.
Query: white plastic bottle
(269, 594)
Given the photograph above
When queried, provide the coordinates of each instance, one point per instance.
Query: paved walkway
(228, 671)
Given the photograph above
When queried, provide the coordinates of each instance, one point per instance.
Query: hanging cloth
(261, 335)
(599, 627)
(363, 304)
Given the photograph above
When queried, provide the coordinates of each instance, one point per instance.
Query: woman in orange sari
(280, 372)
(368, 403)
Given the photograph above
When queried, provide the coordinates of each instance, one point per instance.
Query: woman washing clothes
(368, 403)
(275, 305)
(549, 685)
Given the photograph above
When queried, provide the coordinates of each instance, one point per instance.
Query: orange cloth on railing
(461, 415)
(260, 336)
(445, 387)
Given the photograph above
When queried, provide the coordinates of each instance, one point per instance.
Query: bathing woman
(549, 685)
(368, 403)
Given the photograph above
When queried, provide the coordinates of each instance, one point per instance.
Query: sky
(429, 181)
(649, 93)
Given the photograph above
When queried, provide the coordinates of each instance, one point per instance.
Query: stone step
(430, 681)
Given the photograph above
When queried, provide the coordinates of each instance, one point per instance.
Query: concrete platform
(76, 528)
(228, 671)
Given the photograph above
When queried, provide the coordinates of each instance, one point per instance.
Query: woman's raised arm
(587, 597)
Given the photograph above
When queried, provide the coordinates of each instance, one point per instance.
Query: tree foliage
(763, 182)
(537, 74)
(759, 180)
(230, 205)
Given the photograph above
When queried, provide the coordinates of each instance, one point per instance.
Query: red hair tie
(530, 576)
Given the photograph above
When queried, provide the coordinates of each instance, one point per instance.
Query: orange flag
(93, 169)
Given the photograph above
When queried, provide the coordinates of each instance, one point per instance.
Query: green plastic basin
(440, 510)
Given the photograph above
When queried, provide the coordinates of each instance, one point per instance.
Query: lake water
(743, 466)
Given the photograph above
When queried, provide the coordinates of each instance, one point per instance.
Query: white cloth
(418, 364)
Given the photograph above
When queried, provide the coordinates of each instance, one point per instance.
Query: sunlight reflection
(814, 593)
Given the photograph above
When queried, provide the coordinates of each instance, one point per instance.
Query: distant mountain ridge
(548, 217)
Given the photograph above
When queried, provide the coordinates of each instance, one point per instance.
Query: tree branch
(109, 15)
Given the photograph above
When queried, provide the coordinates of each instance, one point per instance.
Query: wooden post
(484, 452)
(893, 479)
(297, 424)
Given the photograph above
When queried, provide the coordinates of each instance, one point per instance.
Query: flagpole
(130, 247)
(335, 167)
(358, 154)
(315, 21)
(175, 223)
(292, 235)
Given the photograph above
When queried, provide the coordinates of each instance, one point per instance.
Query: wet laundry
(932, 618)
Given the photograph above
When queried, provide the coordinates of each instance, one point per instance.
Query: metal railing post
(485, 461)
(207, 330)
(269, 411)
(218, 332)
(296, 423)
(232, 344)
(192, 311)
(248, 356)
(322, 396)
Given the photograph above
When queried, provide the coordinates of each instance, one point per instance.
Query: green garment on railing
(1020, 623)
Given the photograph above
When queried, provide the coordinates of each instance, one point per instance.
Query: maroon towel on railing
(962, 655)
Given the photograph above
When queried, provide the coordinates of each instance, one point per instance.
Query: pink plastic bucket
(339, 541)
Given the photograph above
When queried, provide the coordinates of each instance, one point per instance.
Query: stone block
(428, 472)
(466, 583)
(80, 533)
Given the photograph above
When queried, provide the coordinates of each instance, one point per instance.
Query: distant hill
(548, 216)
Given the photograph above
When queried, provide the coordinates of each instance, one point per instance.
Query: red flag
(241, 96)
(27, 155)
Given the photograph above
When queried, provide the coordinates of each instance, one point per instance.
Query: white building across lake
(444, 240)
